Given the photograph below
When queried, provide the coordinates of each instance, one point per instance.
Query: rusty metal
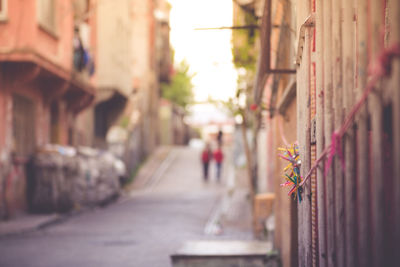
(242, 27)
(309, 22)
(264, 67)
(282, 71)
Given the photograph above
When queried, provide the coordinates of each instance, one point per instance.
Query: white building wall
(114, 34)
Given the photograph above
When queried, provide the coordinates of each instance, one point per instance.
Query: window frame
(4, 10)
(41, 18)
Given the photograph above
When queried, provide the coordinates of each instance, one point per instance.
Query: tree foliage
(179, 90)
(244, 47)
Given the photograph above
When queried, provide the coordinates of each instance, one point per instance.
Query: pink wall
(22, 31)
(13, 175)
(41, 116)
(22, 39)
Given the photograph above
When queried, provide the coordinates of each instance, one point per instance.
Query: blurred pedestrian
(206, 156)
(219, 157)
(219, 137)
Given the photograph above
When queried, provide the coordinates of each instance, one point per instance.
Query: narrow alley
(142, 229)
(117, 118)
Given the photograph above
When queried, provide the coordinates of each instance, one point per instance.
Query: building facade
(151, 64)
(42, 89)
(343, 107)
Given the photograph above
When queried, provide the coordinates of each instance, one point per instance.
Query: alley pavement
(142, 229)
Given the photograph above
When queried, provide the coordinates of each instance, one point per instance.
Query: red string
(380, 69)
(335, 148)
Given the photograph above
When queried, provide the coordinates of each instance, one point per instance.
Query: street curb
(60, 218)
(31, 229)
(57, 219)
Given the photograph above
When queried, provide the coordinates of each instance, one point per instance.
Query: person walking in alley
(219, 137)
(219, 157)
(206, 156)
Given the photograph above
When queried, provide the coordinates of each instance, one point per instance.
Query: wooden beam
(394, 18)
(349, 76)
(362, 143)
(57, 91)
(282, 71)
(303, 136)
(243, 27)
(328, 129)
(336, 61)
(321, 195)
(264, 61)
(376, 112)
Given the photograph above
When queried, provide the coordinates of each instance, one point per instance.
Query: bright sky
(208, 52)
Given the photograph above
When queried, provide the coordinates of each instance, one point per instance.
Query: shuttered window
(23, 125)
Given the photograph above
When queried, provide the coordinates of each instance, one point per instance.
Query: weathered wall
(348, 220)
(114, 45)
(36, 64)
(13, 176)
(84, 121)
(285, 206)
(166, 135)
(145, 76)
(281, 127)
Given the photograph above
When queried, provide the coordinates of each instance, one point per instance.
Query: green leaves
(179, 90)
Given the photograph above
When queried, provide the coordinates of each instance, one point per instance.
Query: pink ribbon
(335, 148)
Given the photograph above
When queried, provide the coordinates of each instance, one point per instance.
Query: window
(3, 10)
(47, 15)
(23, 125)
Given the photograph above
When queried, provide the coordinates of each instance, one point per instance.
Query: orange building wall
(282, 128)
(23, 40)
(22, 31)
(285, 210)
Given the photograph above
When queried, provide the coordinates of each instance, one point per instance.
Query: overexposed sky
(208, 52)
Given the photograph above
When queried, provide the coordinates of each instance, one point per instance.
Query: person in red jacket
(206, 156)
(219, 157)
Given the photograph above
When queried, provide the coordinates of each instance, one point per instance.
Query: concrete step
(225, 253)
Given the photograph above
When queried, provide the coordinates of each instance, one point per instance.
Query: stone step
(225, 253)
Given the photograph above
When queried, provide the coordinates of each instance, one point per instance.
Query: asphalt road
(142, 230)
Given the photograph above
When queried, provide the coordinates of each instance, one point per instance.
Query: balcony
(36, 47)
